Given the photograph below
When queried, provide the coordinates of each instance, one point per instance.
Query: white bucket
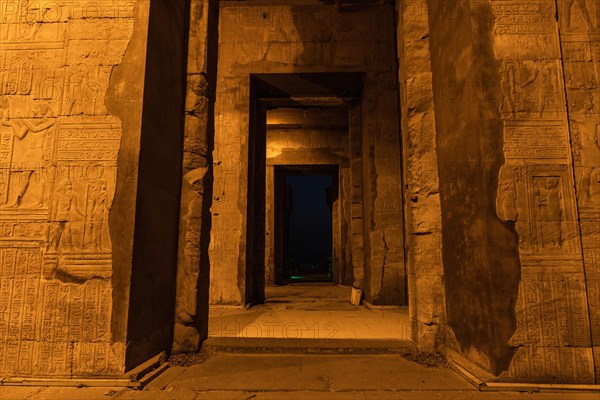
(355, 297)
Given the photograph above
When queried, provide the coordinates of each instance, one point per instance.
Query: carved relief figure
(529, 88)
(588, 104)
(582, 103)
(99, 209)
(548, 203)
(64, 215)
(506, 206)
(37, 13)
(75, 99)
(583, 10)
(5, 148)
(509, 88)
(584, 185)
(28, 151)
(586, 139)
(580, 71)
(543, 86)
(589, 186)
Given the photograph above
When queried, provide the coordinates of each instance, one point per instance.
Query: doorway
(304, 215)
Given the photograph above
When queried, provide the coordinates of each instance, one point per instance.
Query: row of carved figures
(74, 228)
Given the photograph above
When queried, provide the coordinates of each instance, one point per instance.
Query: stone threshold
(482, 380)
(214, 345)
(137, 378)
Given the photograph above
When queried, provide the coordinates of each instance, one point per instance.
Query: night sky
(310, 220)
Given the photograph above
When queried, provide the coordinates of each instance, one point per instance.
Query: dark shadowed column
(191, 309)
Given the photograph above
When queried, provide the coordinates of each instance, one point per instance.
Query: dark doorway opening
(268, 92)
(308, 231)
(304, 223)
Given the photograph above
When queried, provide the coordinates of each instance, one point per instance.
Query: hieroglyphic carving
(580, 41)
(524, 30)
(88, 139)
(28, 20)
(535, 141)
(552, 333)
(551, 310)
(585, 136)
(592, 266)
(64, 214)
(78, 237)
(552, 330)
(551, 365)
(20, 270)
(58, 159)
(76, 314)
(518, 17)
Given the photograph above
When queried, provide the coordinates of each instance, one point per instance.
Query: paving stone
(248, 372)
(231, 395)
(17, 393)
(163, 380)
(73, 393)
(150, 394)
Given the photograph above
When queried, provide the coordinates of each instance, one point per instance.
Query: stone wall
(500, 124)
(90, 148)
(159, 159)
(481, 269)
(542, 114)
(59, 149)
(515, 115)
(579, 33)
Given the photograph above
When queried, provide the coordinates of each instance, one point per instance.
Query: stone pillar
(512, 252)
(345, 224)
(62, 103)
(537, 186)
(382, 191)
(426, 296)
(579, 32)
(356, 195)
(83, 138)
(191, 315)
(270, 236)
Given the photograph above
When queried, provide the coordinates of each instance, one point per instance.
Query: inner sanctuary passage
(307, 226)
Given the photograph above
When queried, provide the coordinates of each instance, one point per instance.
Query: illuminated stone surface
(139, 145)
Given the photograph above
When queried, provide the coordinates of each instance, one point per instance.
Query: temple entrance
(313, 119)
(276, 132)
(304, 203)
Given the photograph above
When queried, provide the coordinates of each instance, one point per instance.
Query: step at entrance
(236, 345)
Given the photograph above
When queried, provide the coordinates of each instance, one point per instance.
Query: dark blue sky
(310, 220)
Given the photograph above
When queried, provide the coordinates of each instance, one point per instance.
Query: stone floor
(318, 312)
(315, 316)
(295, 377)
